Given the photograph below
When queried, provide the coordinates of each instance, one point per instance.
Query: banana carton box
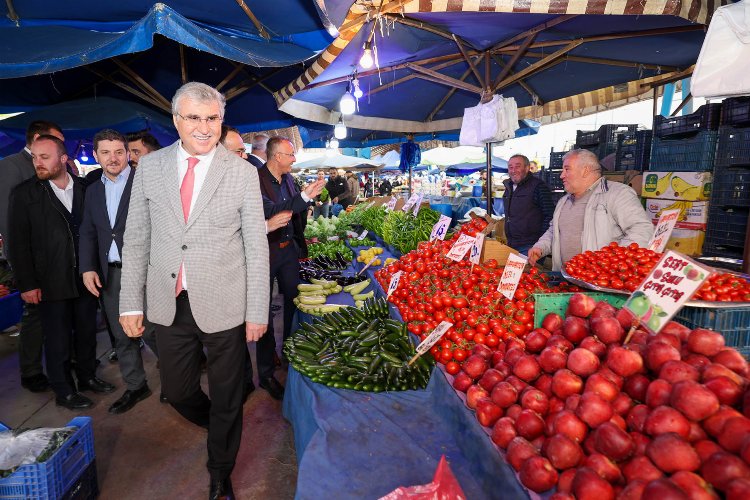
(693, 214)
(687, 186)
(686, 241)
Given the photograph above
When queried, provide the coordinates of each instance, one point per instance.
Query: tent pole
(489, 178)
(410, 179)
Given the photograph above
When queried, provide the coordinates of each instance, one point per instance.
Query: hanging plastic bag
(444, 486)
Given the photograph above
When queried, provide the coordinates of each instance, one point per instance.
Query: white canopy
(338, 161)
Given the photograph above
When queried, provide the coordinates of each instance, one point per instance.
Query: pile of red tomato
(724, 288)
(433, 289)
(613, 266)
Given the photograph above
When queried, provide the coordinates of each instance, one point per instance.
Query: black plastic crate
(556, 160)
(586, 138)
(707, 117)
(557, 195)
(736, 111)
(733, 147)
(552, 178)
(731, 188)
(711, 249)
(684, 154)
(609, 133)
(633, 150)
(87, 486)
(726, 226)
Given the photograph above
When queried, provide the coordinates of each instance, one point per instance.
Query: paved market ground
(152, 452)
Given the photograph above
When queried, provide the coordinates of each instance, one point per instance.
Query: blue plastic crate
(687, 154)
(726, 226)
(733, 147)
(707, 117)
(633, 151)
(552, 178)
(712, 249)
(53, 478)
(735, 111)
(11, 310)
(587, 138)
(733, 323)
(731, 188)
(556, 160)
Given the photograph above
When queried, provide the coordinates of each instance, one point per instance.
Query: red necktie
(186, 195)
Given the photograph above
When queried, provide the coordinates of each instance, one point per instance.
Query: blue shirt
(113, 194)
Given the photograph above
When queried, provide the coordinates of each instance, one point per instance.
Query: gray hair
(585, 158)
(260, 141)
(199, 92)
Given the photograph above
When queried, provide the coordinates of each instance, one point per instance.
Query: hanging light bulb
(339, 131)
(333, 144)
(347, 104)
(357, 91)
(366, 61)
(84, 156)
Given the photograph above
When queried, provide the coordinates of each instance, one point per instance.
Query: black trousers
(180, 346)
(60, 319)
(284, 266)
(30, 342)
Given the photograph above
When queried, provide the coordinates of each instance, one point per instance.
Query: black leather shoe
(221, 490)
(74, 401)
(96, 385)
(129, 399)
(274, 388)
(163, 398)
(35, 383)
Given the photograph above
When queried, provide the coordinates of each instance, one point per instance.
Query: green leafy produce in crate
(403, 231)
(367, 242)
(323, 227)
(329, 249)
(360, 349)
(372, 219)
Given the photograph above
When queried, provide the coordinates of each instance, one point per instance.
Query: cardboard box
(687, 186)
(632, 178)
(693, 214)
(495, 250)
(687, 241)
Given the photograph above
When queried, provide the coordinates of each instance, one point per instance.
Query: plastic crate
(733, 147)
(557, 196)
(731, 188)
(633, 151)
(707, 117)
(711, 249)
(587, 138)
(53, 478)
(687, 154)
(726, 226)
(609, 133)
(87, 486)
(545, 303)
(556, 160)
(735, 111)
(733, 323)
(552, 178)
(11, 310)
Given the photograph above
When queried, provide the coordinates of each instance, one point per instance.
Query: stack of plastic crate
(730, 198)
(686, 143)
(633, 151)
(602, 142)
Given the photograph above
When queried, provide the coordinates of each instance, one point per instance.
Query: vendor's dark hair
(58, 142)
(109, 135)
(225, 129)
(525, 159)
(146, 138)
(41, 127)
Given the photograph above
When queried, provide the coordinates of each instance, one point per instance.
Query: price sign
(511, 275)
(671, 283)
(663, 230)
(410, 202)
(333, 238)
(432, 338)
(351, 234)
(439, 229)
(460, 247)
(393, 285)
(418, 205)
(476, 249)
(363, 235)
(391, 204)
(368, 265)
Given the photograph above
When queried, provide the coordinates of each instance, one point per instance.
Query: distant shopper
(258, 153)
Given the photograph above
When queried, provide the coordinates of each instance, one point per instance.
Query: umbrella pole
(410, 179)
(489, 178)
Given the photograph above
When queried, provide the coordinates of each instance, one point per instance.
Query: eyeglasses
(287, 154)
(196, 120)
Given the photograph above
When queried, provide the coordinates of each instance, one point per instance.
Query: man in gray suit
(195, 246)
(15, 169)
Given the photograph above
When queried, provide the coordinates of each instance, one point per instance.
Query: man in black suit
(44, 218)
(15, 169)
(258, 155)
(286, 245)
(100, 263)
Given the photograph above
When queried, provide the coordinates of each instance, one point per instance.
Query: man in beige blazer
(195, 258)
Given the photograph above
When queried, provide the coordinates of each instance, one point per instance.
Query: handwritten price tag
(351, 234)
(671, 283)
(393, 285)
(511, 275)
(663, 230)
(432, 338)
(439, 229)
(391, 204)
(460, 247)
(363, 235)
(410, 202)
(368, 265)
(418, 205)
(476, 249)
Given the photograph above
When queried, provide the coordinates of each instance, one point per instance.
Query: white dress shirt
(65, 195)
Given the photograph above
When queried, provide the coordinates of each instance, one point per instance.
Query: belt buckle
(284, 244)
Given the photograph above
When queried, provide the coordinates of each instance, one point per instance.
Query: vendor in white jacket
(595, 213)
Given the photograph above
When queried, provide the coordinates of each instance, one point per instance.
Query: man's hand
(132, 325)
(32, 296)
(534, 255)
(279, 220)
(254, 331)
(92, 283)
(315, 188)
(335, 200)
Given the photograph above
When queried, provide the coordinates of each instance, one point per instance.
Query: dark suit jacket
(97, 233)
(14, 169)
(43, 239)
(272, 205)
(255, 161)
